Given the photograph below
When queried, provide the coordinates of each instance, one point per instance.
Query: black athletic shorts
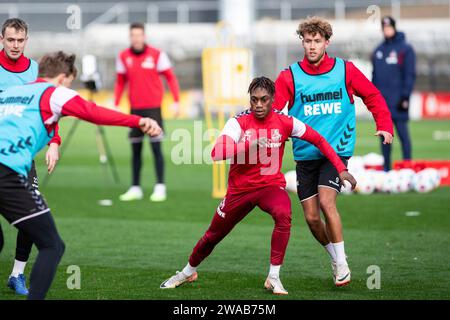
(136, 134)
(18, 199)
(314, 173)
(33, 178)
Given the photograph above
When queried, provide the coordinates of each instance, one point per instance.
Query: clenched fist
(150, 127)
(345, 175)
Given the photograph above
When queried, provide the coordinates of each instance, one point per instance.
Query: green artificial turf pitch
(126, 250)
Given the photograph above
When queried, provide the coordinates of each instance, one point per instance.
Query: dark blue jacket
(394, 72)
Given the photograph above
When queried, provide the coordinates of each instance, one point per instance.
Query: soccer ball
(291, 181)
(365, 182)
(425, 181)
(404, 185)
(373, 160)
(391, 182)
(406, 177)
(434, 175)
(379, 177)
(356, 165)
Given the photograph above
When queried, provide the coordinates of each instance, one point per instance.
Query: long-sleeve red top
(142, 73)
(254, 167)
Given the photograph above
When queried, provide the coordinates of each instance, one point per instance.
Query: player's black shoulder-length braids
(263, 83)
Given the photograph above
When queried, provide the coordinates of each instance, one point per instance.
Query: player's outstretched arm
(322, 144)
(305, 132)
(67, 102)
(229, 144)
(226, 148)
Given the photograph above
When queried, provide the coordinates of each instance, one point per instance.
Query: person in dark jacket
(394, 74)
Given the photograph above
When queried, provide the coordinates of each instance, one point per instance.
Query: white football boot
(274, 284)
(159, 193)
(342, 277)
(133, 193)
(177, 280)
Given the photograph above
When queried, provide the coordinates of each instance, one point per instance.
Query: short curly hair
(314, 25)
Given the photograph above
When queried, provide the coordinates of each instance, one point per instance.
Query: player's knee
(327, 205)
(312, 218)
(282, 215)
(57, 246)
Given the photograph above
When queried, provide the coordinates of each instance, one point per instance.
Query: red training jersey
(142, 71)
(355, 81)
(255, 167)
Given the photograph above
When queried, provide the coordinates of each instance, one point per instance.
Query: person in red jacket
(254, 140)
(141, 67)
(318, 90)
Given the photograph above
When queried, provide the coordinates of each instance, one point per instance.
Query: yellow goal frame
(226, 72)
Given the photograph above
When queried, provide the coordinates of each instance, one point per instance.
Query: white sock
(19, 268)
(274, 271)
(189, 270)
(136, 188)
(340, 252)
(330, 249)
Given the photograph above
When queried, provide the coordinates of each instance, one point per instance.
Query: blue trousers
(401, 127)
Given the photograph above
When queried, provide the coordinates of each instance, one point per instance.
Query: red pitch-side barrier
(443, 166)
(436, 105)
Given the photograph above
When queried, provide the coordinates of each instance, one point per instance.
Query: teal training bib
(10, 78)
(322, 102)
(22, 131)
